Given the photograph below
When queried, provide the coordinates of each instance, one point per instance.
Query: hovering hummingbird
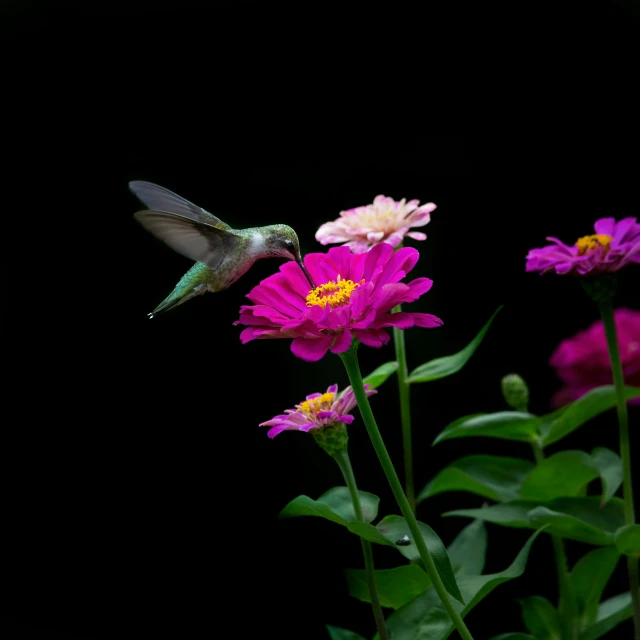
(222, 254)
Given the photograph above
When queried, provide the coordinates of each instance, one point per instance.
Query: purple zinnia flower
(386, 220)
(582, 362)
(318, 410)
(354, 297)
(613, 246)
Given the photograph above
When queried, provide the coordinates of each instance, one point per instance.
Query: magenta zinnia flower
(354, 297)
(318, 410)
(582, 362)
(613, 246)
(386, 220)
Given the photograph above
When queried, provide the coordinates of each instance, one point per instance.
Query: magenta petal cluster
(613, 246)
(386, 220)
(582, 361)
(318, 410)
(354, 296)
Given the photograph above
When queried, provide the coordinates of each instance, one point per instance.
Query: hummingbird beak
(306, 273)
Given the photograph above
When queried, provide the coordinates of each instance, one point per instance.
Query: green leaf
(335, 633)
(627, 540)
(609, 465)
(508, 425)
(580, 518)
(425, 617)
(395, 586)
(611, 613)
(468, 550)
(380, 375)
(443, 367)
(541, 618)
(562, 474)
(562, 423)
(514, 636)
(334, 505)
(588, 579)
(368, 532)
(395, 528)
(494, 477)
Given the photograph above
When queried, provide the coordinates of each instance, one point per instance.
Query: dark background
(141, 497)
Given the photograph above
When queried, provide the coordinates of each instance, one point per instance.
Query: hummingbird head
(281, 241)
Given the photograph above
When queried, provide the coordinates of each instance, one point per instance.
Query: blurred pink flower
(582, 362)
(318, 410)
(613, 246)
(386, 220)
(354, 297)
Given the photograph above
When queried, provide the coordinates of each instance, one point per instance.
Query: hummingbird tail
(174, 300)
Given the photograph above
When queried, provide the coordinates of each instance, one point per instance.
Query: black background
(142, 498)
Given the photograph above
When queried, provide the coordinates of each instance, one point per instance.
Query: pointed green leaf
(579, 518)
(395, 586)
(380, 375)
(494, 477)
(508, 425)
(588, 579)
(541, 618)
(611, 613)
(425, 617)
(336, 633)
(514, 636)
(562, 474)
(443, 367)
(368, 532)
(334, 505)
(468, 550)
(577, 413)
(609, 465)
(628, 540)
(395, 528)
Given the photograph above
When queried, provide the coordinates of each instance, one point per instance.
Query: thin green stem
(350, 360)
(566, 599)
(342, 458)
(405, 412)
(606, 311)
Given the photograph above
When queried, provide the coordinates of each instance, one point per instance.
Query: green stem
(342, 458)
(606, 311)
(350, 360)
(566, 600)
(405, 412)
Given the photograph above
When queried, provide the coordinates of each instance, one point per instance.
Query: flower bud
(332, 438)
(515, 392)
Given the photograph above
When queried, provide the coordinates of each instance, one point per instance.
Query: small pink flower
(354, 297)
(386, 220)
(318, 410)
(582, 362)
(613, 246)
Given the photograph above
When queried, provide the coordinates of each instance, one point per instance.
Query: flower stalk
(350, 360)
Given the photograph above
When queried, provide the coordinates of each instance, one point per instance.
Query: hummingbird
(222, 254)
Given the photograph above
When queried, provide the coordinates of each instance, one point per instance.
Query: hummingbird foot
(150, 315)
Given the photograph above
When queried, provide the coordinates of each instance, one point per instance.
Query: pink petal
(417, 235)
(605, 226)
(372, 337)
(311, 350)
(400, 319)
(426, 320)
(342, 342)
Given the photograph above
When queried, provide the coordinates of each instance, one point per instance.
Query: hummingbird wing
(202, 242)
(160, 199)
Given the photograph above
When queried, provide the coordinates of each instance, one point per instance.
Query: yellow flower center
(334, 294)
(589, 243)
(310, 408)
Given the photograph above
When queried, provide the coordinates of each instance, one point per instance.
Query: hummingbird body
(222, 254)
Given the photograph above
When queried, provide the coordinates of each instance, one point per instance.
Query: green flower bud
(515, 392)
(332, 438)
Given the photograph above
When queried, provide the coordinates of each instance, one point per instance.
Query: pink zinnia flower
(383, 221)
(354, 297)
(318, 410)
(613, 246)
(582, 362)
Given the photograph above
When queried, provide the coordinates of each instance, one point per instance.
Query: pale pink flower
(386, 220)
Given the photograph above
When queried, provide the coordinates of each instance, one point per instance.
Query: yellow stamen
(589, 243)
(312, 407)
(334, 294)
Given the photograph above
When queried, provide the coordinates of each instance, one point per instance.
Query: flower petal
(311, 350)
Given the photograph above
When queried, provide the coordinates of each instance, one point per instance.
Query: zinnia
(318, 410)
(613, 246)
(582, 362)
(386, 220)
(354, 297)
